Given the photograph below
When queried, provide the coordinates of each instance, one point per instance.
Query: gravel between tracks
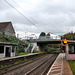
(24, 69)
(41, 68)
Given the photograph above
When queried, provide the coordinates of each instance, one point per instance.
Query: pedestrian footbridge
(49, 40)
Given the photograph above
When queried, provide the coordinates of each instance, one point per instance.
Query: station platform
(8, 58)
(60, 66)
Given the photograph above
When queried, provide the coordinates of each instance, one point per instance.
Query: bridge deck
(53, 41)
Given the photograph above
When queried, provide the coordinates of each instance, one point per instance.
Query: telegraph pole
(17, 35)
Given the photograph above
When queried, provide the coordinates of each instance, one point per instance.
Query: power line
(24, 10)
(21, 14)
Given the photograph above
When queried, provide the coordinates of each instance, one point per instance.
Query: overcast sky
(55, 16)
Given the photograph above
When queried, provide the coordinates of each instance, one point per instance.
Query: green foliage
(11, 39)
(69, 36)
(38, 52)
(19, 54)
(49, 49)
(42, 34)
(48, 34)
(20, 49)
(72, 65)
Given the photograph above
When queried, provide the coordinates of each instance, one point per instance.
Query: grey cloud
(57, 16)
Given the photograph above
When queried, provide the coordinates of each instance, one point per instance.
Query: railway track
(42, 68)
(38, 66)
(9, 68)
(11, 60)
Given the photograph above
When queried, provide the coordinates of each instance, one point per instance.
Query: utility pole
(25, 35)
(17, 35)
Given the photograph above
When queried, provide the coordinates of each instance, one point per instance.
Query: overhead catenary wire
(23, 10)
(24, 15)
(21, 14)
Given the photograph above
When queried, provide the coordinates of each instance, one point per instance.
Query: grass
(19, 54)
(72, 65)
(37, 51)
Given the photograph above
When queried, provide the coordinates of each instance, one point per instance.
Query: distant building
(54, 36)
(49, 36)
(6, 28)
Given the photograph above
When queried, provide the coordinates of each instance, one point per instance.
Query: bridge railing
(45, 38)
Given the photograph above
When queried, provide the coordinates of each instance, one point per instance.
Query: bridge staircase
(31, 47)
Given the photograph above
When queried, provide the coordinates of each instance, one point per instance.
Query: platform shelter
(70, 51)
(69, 46)
(7, 49)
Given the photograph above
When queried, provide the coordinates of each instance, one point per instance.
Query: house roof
(6, 43)
(3, 25)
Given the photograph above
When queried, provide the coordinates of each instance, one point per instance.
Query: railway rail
(37, 66)
(42, 68)
(8, 60)
(14, 66)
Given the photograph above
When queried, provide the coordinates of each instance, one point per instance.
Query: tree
(48, 34)
(69, 36)
(43, 34)
(49, 49)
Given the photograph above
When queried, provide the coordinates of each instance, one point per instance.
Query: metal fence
(45, 38)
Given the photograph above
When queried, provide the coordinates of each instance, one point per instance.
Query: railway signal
(65, 40)
(61, 37)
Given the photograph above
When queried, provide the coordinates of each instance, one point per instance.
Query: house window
(1, 49)
(71, 49)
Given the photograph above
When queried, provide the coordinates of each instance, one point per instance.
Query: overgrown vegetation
(72, 65)
(42, 34)
(51, 47)
(19, 54)
(35, 51)
(11, 39)
(69, 36)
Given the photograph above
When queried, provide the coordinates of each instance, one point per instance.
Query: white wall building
(7, 49)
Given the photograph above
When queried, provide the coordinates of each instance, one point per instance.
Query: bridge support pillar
(41, 47)
(66, 50)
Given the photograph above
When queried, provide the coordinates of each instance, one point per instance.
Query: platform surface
(7, 58)
(60, 66)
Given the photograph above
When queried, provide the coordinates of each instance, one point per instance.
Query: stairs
(31, 47)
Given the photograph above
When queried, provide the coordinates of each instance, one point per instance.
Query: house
(6, 28)
(7, 49)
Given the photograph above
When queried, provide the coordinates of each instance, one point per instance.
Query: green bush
(22, 53)
(49, 49)
(11, 39)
